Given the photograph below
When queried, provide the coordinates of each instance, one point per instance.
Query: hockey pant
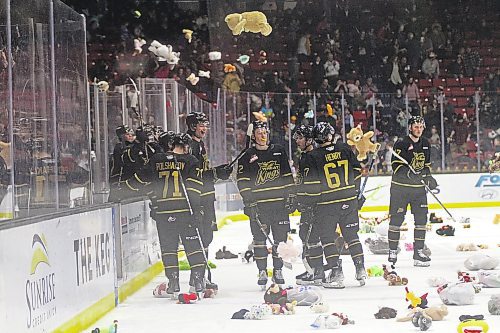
(274, 221)
(401, 196)
(345, 215)
(171, 228)
(312, 251)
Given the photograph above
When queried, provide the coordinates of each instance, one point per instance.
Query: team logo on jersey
(253, 158)
(268, 171)
(418, 161)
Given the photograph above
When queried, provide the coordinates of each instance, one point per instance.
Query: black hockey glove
(306, 214)
(291, 204)
(251, 211)
(430, 182)
(361, 201)
(197, 219)
(223, 171)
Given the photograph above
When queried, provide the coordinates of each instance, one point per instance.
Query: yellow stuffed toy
(255, 22)
(362, 142)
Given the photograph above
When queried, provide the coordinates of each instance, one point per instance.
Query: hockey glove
(223, 172)
(197, 219)
(306, 214)
(291, 204)
(361, 201)
(430, 182)
(251, 211)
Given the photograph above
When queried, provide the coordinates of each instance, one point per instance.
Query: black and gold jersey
(300, 173)
(264, 176)
(331, 174)
(417, 154)
(116, 163)
(199, 151)
(163, 182)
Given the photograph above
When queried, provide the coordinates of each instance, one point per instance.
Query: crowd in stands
(388, 58)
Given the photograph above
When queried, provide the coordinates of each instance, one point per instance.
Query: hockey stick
(247, 145)
(362, 188)
(423, 183)
(261, 227)
(375, 188)
(183, 185)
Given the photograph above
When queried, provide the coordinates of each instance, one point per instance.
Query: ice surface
(238, 288)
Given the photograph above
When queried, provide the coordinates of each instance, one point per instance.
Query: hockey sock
(170, 262)
(315, 255)
(393, 235)
(331, 254)
(419, 236)
(356, 250)
(260, 254)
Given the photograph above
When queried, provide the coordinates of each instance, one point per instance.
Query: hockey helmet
(195, 118)
(145, 133)
(303, 130)
(182, 139)
(122, 130)
(166, 140)
(259, 124)
(323, 132)
(416, 120)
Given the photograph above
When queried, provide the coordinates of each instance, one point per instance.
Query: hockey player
(197, 124)
(312, 251)
(164, 180)
(407, 188)
(331, 185)
(266, 184)
(126, 138)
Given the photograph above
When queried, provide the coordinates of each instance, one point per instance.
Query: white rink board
(466, 190)
(54, 269)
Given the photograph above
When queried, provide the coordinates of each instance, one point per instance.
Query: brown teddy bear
(436, 313)
(362, 142)
(255, 22)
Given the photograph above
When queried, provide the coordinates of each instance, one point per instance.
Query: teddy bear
(362, 142)
(436, 313)
(254, 21)
(275, 295)
(164, 53)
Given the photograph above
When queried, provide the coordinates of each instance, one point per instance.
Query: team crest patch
(268, 171)
(400, 210)
(253, 158)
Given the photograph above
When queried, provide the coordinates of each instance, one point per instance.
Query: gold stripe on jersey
(357, 177)
(245, 189)
(339, 189)
(173, 211)
(287, 174)
(140, 180)
(243, 178)
(194, 180)
(194, 190)
(270, 200)
(334, 201)
(130, 186)
(309, 194)
(407, 185)
(399, 166)
(170, 199)
(207, 193)
(398, 162)
(312, 182)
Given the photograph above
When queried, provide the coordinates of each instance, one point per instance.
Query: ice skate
(393, 257)
(173, 288)
(302, 279)
(314, 279)
(335, 279)
(360, 273)
(262, 280)
(420, 259)
(278, 276)
(197, 283)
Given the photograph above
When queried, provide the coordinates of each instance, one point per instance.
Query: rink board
(54, 269)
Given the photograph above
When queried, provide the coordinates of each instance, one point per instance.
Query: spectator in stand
(457, 68)
(490, 84)
(348, 120)
(435, 142)
(430, 66)
(368, 91)
(317, 74)
(395, 78)
(413, 50)
(340, 88)
(472, 61)
(405, 69)
(332, 68)
(459, 135)
(410, 90)
(304, 48)
(438, 38)
(324, 91)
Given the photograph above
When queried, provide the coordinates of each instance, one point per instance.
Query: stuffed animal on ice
(304, 295)
(164, 53)
(385, 313)
(256, 312)
(333, 321)
(481, 261)
(275, 295)
(415, 301)
(436, 313)
(457, 293)
(489, 279)
(362, 142)
(494, 305)
(255, 22)
(472, 324)
(393, 277)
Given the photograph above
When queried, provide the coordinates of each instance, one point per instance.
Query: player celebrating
(266, 183)
(408, 188)
(126, 138)
(331, 185)
(197, 124)
(312, 253)
(167, 179)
